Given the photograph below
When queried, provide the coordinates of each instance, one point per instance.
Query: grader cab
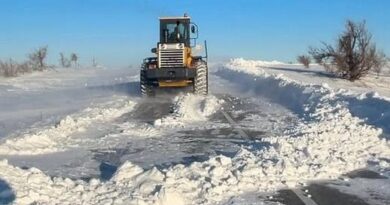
(175, 65)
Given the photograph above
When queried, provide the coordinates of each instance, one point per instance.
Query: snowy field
(87, 137)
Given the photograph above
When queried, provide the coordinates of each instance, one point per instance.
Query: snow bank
(296, 94)
(129, 185)
(289, 162)
(254, 63)
(372, 108)
(59, 137)
(190, 108)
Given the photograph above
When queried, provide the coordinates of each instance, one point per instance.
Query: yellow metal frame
(187, 57)
(176, 83)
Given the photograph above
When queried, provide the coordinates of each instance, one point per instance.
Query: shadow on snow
(7, 196)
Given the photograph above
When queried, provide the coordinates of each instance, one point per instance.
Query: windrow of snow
(190, 108)
(254, 63)
(295, 94)
(328, 143)
(59, 137)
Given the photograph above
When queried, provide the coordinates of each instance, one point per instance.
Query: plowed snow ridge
(328, 142)
(59, 137)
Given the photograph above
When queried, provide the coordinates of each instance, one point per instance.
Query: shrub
(354, 54)
(74, 58)
(37, 58)
(11, 68)
(64, 62)
(304, 60)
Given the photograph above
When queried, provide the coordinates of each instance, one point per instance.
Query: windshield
(174, 32)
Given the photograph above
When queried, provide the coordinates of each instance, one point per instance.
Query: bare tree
(37, 58)
(64, 61)
(94, 63)
(354, 54)
(305, 60)
(387, 66)
(74, 58)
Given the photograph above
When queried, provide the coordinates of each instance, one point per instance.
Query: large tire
(146, 88)
(201, 86)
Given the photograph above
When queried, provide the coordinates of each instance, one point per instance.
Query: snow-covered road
(105, 144)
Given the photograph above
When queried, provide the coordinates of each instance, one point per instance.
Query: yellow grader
(174, 65)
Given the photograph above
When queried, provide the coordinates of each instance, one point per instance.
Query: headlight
(164, 46)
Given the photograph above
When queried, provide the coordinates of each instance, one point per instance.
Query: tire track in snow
(304, 199)
(235, 125)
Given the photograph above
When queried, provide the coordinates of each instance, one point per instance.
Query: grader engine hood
(171, 55)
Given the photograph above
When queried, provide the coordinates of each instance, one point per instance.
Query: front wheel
(201, 79)
(146, 88)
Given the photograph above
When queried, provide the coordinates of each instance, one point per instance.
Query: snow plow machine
(175, 66)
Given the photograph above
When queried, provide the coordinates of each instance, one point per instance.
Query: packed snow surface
(366, 188)
(328, 142)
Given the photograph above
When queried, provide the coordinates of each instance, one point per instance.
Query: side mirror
(154, 50)
(193, 29)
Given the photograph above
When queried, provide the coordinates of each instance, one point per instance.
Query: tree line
(36, 61)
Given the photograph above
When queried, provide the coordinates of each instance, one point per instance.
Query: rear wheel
(146, 88)
(201, 79)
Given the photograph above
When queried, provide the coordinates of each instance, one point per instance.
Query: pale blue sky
(121, 32)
